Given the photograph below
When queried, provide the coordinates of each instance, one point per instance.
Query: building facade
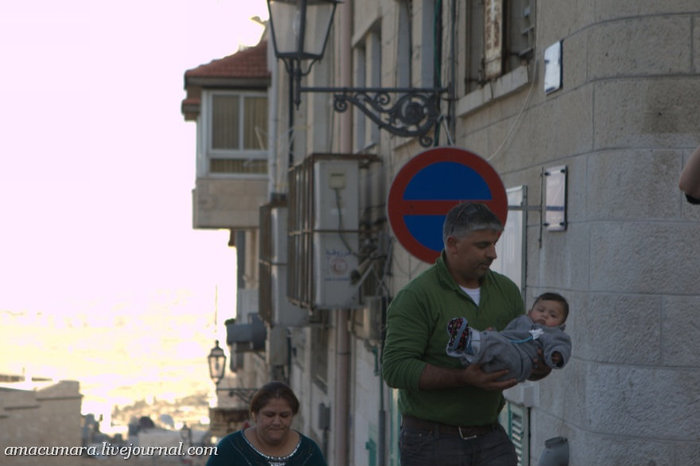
(586, 109)
(42, 414)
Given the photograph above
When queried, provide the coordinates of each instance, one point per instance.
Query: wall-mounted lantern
(300, 30)
(217, 363)
(217, 367)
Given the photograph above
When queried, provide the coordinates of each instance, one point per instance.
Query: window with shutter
(499, 38)
(235, 133)
(515, 418)
(493, 38)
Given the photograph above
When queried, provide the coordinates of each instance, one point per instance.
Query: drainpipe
(341, 427)
(273, 184)
(344, 77)
(451, 120)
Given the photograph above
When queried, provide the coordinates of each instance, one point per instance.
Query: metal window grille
(515, 419)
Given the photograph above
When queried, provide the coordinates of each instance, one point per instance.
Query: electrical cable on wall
(340, 223)
(450, 141)
(516, 122)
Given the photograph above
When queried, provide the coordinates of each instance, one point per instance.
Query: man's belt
(464, 432)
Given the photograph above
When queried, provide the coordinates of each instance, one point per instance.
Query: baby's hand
(557, 359)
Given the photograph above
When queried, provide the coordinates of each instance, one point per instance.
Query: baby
(515, 348)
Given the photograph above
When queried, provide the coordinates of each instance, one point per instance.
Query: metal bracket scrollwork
(414, 112)
(244, 394)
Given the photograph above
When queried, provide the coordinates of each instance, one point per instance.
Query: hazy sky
(96, 161)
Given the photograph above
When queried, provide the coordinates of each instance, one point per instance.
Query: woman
(271, 441)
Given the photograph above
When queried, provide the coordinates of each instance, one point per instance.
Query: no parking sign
(429, 185)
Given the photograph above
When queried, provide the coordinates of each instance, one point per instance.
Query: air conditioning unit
(335, 234)
(249, 336)
(274, 307)
(277, 346)
(324, 231)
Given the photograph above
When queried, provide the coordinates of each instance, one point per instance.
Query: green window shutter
(515, 419)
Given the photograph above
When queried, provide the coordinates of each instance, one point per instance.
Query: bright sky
(97, 163)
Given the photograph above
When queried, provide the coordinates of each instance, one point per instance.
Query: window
(427, 45)
(360, 81)
(404, 44)
(235, 133)
(368, 73)
(499, 38)
(320, 345)
(374, 49)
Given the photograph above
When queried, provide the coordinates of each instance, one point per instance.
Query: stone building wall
(47, 416)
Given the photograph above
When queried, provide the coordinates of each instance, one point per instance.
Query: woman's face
(273, 421)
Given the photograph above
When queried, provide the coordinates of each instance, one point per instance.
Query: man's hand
(435, 378)
(540, 370)
(475, 376)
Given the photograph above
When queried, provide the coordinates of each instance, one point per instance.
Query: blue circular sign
(429, 185)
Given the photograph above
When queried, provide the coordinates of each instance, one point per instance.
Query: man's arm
(435, 378)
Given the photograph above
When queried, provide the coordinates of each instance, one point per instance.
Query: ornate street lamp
(300, 30)
(217, 367)
(217, 363)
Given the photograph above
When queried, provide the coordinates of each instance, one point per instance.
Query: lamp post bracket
(245, 394)
(403, 111)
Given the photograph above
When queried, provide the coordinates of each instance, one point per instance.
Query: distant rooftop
(246, 63)
(245, 69)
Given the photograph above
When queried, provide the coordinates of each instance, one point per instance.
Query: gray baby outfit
(515, 347)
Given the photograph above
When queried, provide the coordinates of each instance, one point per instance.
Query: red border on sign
(398, 207)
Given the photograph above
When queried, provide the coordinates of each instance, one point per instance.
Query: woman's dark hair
(550, 296)
(273, 390)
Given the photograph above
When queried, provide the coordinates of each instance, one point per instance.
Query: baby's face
(547, 313)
